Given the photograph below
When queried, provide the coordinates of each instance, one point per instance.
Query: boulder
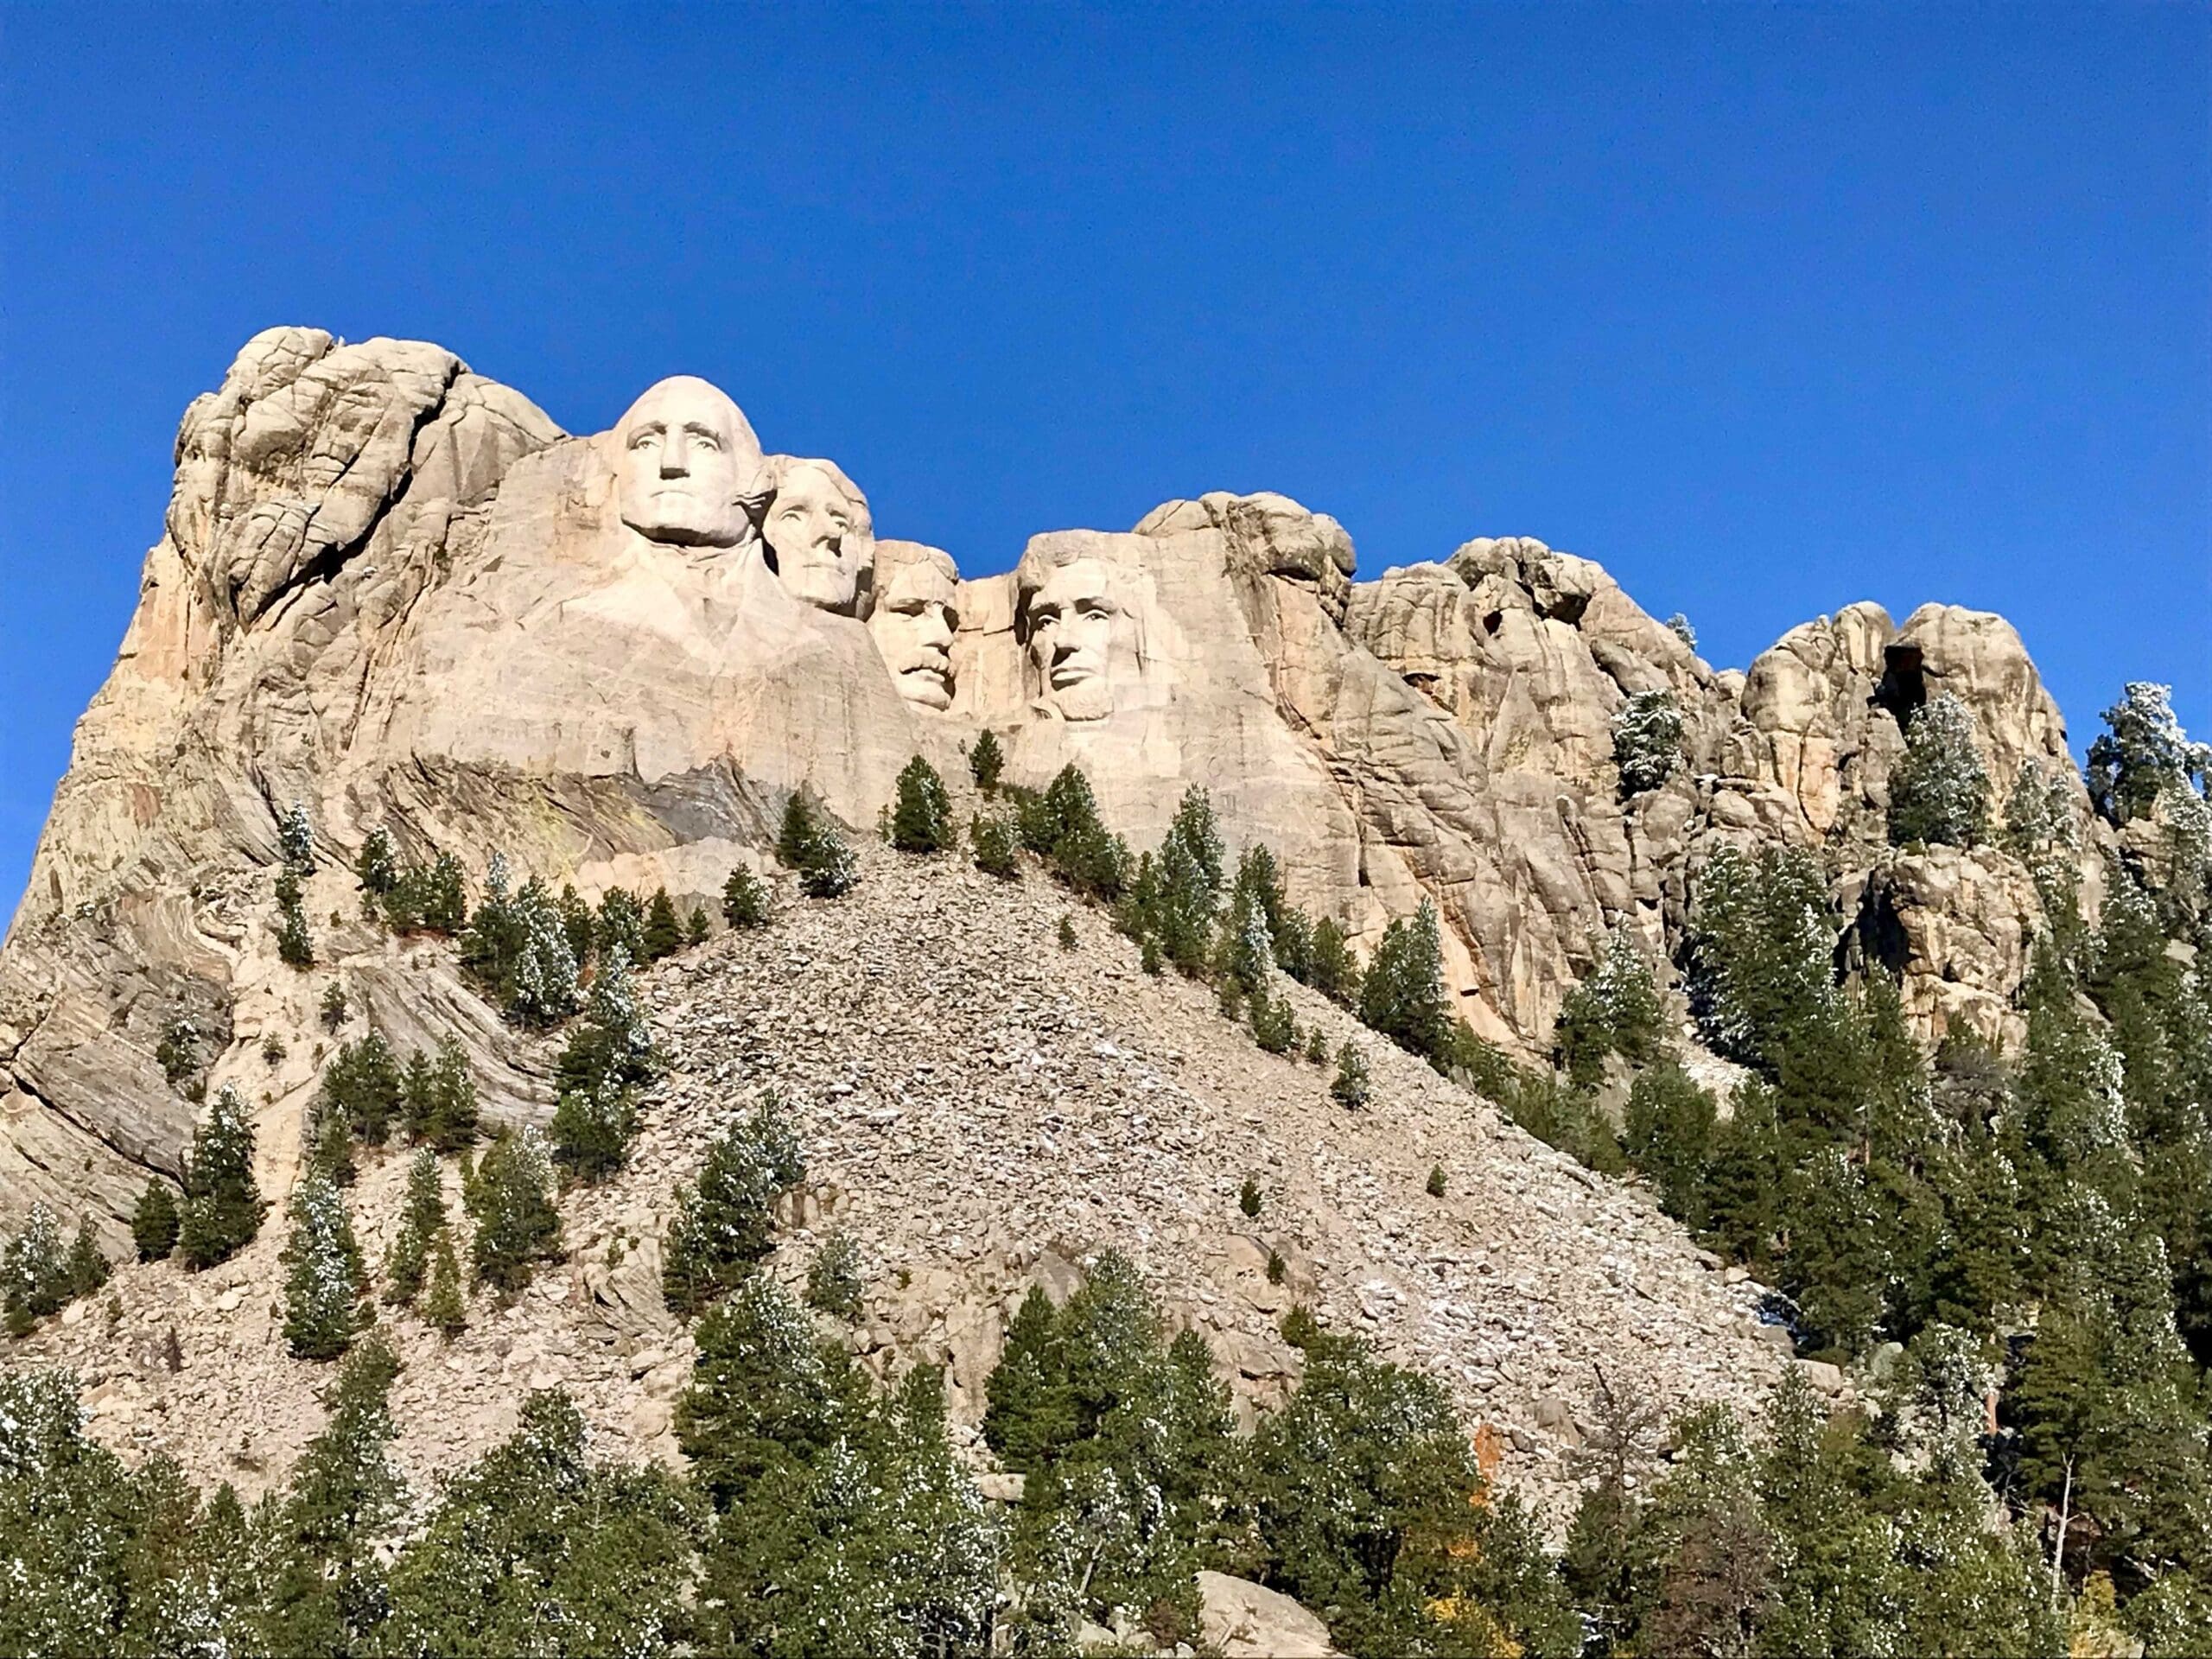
(1240, 1619)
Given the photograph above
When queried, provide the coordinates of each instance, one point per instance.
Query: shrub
(921, 818)
(154, 1222)
(1247, 1196)
(1068, 940)
(1317, 1047)
(1435, 1187)
(745, 900)
(1274, 1026)
(1647, 740)
(1939, 792)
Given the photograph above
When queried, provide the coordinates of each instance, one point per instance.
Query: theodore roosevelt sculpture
(687, 460)
(915, 616)
(821, 541)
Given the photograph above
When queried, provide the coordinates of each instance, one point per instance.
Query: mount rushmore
(394, 591)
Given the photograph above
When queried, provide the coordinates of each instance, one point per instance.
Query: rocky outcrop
(393, 592)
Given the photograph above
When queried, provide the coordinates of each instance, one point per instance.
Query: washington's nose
(675, 459)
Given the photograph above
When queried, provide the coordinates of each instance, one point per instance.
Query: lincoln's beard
(1089, 698)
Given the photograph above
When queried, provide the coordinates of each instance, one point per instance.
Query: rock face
(393, 592)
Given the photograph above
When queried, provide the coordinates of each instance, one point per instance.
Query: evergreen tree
(87, 1269)
(377, 866)
(696, 927)
(2142, 752)
(443, 906)
(1402, 994)
(294, 942)
(1350, 1087)
(1274, 1027)
(438, 1098)
(154, 1222)
(324, 1280)
(620, 924)
(516, 1226)
(1062, 828)
(811, 843)
(992, 837)
(1616, 1010)
(745, 900)
(295, 840)
(333, 1007)
(1647, 740)
(722, 1225)
(420, 1221)
(494, 944)
(545, 988)
(534, 1539)
(34, 1271)
(222, 1206)
(444, 1306)
(1335, 972)
(319, 1586)
(592, 1130)
(1670, 1126)
(986, 764)
(1939, 791)
(765, 1394)
(363, 1088)
(663, 934)
(1679, 626)
(921, 819)
(833, 1279)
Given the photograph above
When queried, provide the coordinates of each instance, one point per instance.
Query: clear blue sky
(1768, 308)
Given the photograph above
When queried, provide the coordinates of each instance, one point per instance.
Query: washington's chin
(688, 529)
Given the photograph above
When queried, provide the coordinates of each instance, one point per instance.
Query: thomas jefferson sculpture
(820, 539)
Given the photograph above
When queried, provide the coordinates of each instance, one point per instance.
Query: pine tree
(1402, 995)
(377, 866)
(34, 1270)
(438, 1098)
(2142, 752)
(1189, 867)
(516, 1226)
(921, 818)
(987, 763)
(621, 923)
(421, 1221)
(1616, 1010)
(1350, 1086)
(833, 1279)
(295, 840)
(87, 1269)
(444, 905)
(154, 1222)
(1274, 1027)
(222, 1207)
(1939, 791)
(591, 1129)
(330, 1139)
(992, 837)
(810, 844)
(1647, 740)
(1670, 1124)
(745, 900)
(696, 927)
(325, 1280)
(445, 1306)
(294, 942)
(333, 1007)
(545, 987)
(722, 1225)
(1334, 972)
(363, 1088)
(663, 934)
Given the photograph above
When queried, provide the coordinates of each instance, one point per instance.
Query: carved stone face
(820, 537)
(688, 455)
(1081, 638)
(914, 622)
